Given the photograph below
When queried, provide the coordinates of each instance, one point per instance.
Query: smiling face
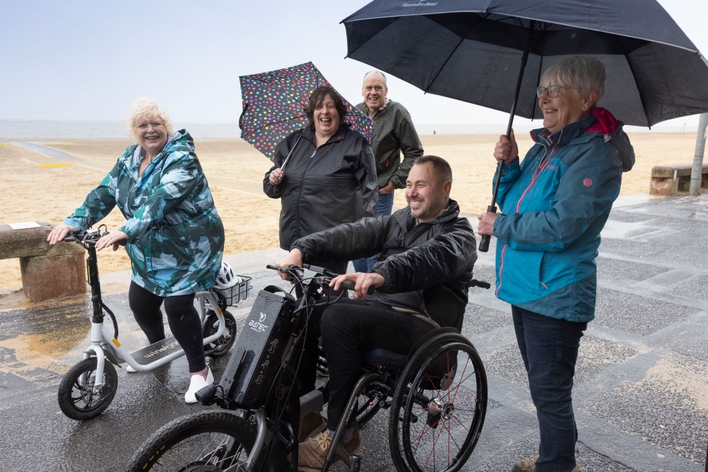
(568, 107)
(374, 92)
(325, 117)
(427, 194)
(151, 134)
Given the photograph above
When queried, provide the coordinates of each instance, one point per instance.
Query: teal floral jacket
(175, 235)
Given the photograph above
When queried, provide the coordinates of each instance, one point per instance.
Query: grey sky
(88, 60)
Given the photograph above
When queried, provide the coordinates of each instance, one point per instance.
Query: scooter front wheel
(77, 397)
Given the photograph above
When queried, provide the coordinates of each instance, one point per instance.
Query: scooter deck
(156, 351)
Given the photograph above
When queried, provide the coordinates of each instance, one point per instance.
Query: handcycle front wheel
(77, 398)
(222, 345)
(206, 441)
(438, 406)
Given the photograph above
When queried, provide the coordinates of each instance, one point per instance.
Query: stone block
(47, 271)
(672, 179)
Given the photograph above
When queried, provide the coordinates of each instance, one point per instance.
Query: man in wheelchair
(427, 253)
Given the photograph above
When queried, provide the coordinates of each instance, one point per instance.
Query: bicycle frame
(268, 417)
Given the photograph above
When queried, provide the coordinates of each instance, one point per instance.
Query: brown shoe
(312, 453)
(311, 425)
(526, 465)
(529, 465)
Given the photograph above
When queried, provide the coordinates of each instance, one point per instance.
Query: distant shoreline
(60, 129)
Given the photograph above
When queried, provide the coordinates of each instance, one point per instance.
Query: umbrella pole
(492, 208)
(282, 167)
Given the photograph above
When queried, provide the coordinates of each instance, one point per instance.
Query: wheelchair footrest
(156, 351)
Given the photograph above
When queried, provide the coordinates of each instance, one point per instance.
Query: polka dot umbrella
(274, 106)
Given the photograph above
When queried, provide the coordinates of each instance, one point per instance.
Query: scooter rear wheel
(222, 345)
(77, 398)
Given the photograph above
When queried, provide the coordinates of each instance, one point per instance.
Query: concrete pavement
(641, 394)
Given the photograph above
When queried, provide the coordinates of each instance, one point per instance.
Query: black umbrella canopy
(471, 50)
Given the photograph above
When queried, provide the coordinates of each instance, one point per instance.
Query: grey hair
(145, 107)
(383, 76)
(587, 73)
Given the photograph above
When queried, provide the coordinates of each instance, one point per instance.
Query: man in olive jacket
(394, 134)
(421, 279)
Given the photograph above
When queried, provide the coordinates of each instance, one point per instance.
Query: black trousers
(348, 328)
(181, 315)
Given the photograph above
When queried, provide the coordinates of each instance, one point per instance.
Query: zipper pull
(313, 153)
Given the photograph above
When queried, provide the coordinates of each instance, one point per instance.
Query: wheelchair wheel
(438, 406)
(206, 441)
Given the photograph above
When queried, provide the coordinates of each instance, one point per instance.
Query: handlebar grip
(352, 286)
(347, 286)
(484, 242)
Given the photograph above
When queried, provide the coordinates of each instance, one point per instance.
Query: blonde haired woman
(173, 233)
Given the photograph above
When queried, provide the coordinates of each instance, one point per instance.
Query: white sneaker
(196, 383)
(130, 370)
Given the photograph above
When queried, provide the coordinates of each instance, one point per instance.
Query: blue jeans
(549, 348)
(384, 208)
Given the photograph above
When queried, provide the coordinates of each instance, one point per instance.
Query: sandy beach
(34, 190)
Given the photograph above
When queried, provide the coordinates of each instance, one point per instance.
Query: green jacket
(394, 134)
(175, 235)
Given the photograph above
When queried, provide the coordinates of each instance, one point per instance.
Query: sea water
(49, 129)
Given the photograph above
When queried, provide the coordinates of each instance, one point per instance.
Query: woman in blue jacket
(553, 206)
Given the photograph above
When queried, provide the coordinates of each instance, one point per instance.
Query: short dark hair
(441, 168)
(316, 98)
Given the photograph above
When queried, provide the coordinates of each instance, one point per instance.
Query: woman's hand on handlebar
(364, 283)
(115, 238)
(293, 258)
(58, 233)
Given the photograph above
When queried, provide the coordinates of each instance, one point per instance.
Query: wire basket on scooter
(238, 292)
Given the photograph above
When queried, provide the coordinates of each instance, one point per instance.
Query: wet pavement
(641, 394)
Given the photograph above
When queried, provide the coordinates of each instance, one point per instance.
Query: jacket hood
(180, 141)
(600, 122)
(606, 122)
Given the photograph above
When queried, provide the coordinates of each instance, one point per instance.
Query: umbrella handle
(492, 208)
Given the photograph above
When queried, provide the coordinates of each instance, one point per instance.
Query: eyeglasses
(553, 90)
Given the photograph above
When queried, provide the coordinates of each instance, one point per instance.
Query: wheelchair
(436, 397)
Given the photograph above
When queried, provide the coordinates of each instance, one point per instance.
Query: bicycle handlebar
(90, 237)
(295, 275)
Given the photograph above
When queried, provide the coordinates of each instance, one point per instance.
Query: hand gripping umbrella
(492, 53)
(274, 106)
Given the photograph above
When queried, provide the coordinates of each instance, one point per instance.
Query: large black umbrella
(492, 53)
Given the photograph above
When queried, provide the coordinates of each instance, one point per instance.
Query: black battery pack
(258, 352)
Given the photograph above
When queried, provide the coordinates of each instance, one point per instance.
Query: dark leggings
(182, 316)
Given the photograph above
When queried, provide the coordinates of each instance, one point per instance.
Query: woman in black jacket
(324, 174)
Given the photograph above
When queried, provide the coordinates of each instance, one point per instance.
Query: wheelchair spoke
(440, 412)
